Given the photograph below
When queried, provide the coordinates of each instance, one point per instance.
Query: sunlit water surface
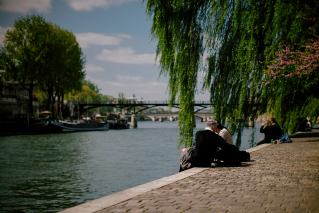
(52, 172)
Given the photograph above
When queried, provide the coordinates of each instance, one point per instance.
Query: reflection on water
(49, 173)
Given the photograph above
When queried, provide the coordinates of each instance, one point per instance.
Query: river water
(52, 172)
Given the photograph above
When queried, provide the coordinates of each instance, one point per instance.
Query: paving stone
(183, 208)
(151, 209)
(253, 205)
(167, 208)
(256, 209)
(219, 209)
(297, 211)
(137, 210)
(237, 211)
(120, 210)
(276, 209)
(237, 208)
(201, 206)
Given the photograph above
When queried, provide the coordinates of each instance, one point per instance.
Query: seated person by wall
(270, 132)
(223, 132)
(204, 152)
(304, 125)
(278, 131)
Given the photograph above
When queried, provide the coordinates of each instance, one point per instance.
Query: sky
(115, 38)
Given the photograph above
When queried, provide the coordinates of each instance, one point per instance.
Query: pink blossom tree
(289, 63)
(300, 63)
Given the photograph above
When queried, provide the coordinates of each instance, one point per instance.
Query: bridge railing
(138, 102)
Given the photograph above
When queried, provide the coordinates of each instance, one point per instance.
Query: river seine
(52, 172)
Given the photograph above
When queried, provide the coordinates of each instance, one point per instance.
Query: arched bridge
(203, 116)
(136, 107)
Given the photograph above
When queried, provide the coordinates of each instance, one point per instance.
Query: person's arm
(262, 128)
(222, 134)
(223, 144)
(226, 136)
(279, 131)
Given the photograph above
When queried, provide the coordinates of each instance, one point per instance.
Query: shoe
(214, 164)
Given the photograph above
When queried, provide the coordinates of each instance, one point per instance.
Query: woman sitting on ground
(269, 131)
(277, 129)
(223, 132)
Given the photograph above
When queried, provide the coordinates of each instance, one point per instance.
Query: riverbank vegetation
(242, 39)
(90, 93)
(39, 53)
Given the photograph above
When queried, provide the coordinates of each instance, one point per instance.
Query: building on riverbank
(14, 100)
(14, 108)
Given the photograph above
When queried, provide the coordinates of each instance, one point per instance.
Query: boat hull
(77, 127)
(119, 126)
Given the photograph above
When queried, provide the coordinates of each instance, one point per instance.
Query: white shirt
(226, 135)
(207, 128)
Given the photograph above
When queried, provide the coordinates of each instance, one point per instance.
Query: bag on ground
(285, 139)
(228, 157)
(186, 158)
(244, 156)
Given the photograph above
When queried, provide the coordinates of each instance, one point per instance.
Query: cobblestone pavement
(280, 178)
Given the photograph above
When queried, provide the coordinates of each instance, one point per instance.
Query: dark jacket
(207, 143)
(270, 133)
(278, 131)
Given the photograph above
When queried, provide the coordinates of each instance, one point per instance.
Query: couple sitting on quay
(272, 131)
(214, 146)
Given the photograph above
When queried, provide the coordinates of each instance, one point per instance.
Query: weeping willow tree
(178, 26)
(234, 73)
(237, 35)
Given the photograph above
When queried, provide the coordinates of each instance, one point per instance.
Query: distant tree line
(90, 93)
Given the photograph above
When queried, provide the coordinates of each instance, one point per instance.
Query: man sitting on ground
(207, 143)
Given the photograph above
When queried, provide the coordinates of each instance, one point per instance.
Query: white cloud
(149, 89)
(124, 36)
(127, 78)
(3, 31)
(126, 56)
(88, 5)
(86, 39)
(94, 68)
(24, 6)
(202, 96)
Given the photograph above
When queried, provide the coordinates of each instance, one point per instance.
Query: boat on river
(79, 126)
(117, 121)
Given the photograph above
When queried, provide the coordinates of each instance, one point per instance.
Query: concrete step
(312, 133)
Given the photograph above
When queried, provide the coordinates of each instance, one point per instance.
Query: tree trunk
(30, 90)
(59, 105)
(52, 108)
(62, 107)
(50, 93)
